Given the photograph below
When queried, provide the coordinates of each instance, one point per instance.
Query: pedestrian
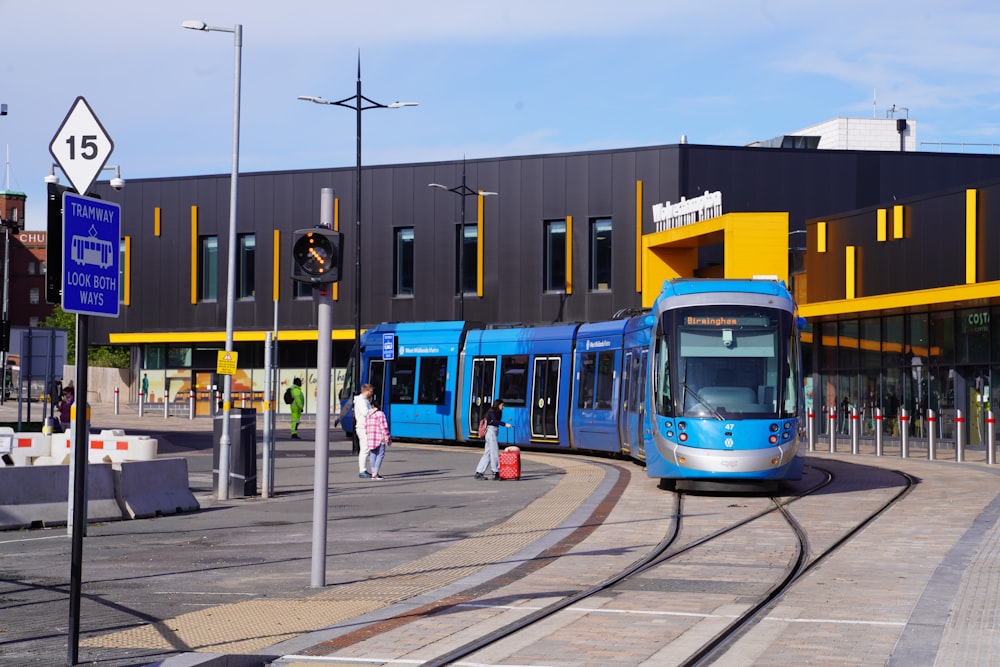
(491, 452)
(362, 406)
(65, 408)
(377, 434)
(145, 388)
(297, 405)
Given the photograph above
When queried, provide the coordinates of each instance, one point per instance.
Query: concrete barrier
(39, 495)
(108, 446)
(151, 488)
(26, 448)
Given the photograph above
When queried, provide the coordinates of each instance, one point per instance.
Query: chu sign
(91, 261)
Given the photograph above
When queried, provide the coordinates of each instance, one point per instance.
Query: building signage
(687, 211)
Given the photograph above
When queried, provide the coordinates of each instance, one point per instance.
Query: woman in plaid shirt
(377, 433)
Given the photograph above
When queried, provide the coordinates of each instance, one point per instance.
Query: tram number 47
(88, 146)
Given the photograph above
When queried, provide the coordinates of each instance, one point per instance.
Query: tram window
(401, 388)
(588, 372)
(605, 387)
(433, 371)
(514, 379)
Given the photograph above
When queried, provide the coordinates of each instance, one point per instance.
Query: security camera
(117, 183)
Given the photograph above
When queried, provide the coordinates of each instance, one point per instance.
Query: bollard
(116, 401)
(931, 434)
(991, 438)
(904, 433)
(142, 402)
(166, 405)
(855, 430)
(191, 405)
(878, 431)
(811, 426)
(959, 436)
(833, 431)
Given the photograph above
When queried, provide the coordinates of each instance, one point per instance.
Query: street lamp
(462, 191)
(357, 103)
(227, 383)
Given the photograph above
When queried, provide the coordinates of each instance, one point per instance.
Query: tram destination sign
(91, 261)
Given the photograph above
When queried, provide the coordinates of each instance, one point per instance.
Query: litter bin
(242, 452)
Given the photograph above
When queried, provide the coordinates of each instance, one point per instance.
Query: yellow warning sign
(227, 363)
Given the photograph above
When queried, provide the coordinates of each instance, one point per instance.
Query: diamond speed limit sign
(81, 146)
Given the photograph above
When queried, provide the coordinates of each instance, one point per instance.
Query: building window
(600, 254)
(555, 256)
(245, 266)
(468, 236)
(33, 295)
(33, 321)
(208, 270)
(402, 278)
(31, 268)
(301, 290)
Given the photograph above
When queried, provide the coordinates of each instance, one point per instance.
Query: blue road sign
(388, 347)
(91, 235)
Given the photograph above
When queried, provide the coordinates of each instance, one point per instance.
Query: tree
(106, 356)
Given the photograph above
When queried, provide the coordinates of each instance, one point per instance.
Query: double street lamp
(224, 438)
(357, 103)
(462, 191)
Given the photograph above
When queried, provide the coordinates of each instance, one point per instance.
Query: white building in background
(854, 134)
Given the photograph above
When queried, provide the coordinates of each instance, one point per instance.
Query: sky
(492, 79)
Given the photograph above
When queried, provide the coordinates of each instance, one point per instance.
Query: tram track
(691, 534)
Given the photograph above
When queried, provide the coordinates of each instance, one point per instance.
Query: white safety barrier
(108, 446)
(154, 488)
(39, 496)
(26, 448)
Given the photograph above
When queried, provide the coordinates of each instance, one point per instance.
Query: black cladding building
(561, 241)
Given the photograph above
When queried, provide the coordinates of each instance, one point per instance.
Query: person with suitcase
(491, 452)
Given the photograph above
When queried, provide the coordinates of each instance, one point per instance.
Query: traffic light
(317, 255)
(53, 253)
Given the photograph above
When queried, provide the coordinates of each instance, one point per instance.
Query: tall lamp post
(224, 438)
(462, 191)
(358, 103)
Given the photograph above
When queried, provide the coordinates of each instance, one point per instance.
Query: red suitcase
(510, 463)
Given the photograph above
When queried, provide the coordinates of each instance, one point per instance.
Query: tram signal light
(317, 255)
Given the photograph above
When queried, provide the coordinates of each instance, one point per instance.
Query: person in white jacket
(362, 406)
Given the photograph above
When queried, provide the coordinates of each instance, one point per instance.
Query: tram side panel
(418, 385)
(597, 373)
(530, 369)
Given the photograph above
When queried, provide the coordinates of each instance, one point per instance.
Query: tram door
(545, 398)
(377, 378)
(633, 391)
(484, 370)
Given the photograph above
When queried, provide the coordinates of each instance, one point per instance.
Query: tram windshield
(726, 361)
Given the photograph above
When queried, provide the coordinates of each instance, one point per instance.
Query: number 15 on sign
(81, 146)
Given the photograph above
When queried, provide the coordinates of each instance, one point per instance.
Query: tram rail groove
(668, 549)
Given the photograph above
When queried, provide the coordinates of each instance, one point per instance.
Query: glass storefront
(941, 360)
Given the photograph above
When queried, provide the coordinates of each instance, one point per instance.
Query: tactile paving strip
(251, 625)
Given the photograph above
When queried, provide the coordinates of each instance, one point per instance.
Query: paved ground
(235, 577)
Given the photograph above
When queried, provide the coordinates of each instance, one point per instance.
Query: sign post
(91, 236)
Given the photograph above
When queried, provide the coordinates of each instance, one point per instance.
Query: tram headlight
(773, 439)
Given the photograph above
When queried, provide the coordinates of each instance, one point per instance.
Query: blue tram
(704, 386)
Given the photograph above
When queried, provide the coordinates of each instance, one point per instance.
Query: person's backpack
(482, 427)
(288, 398)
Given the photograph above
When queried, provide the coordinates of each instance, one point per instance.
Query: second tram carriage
(706, 386)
